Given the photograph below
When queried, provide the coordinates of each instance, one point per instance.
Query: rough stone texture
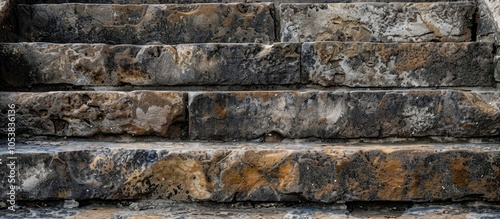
(91, 113)
(380, 22)
(398, 64)
(25, 64)
(343, 114)
(491, 20)
(497, 68)
(143, 24)
(255, 172)
(486, 30)
(182, 210)
(211, 1)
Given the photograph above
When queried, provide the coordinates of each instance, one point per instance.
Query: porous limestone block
(26, 64)
(377, 22)
(362, 64)
(87, 113)
(147, 24)
(343, 114)
(233, 172)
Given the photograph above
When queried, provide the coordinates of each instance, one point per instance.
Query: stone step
(343, 114)
(256, 115)
(228, 172)
(143, 24)
(91, 113)
(352, 64)
(378, 22)
(356, 64)
(26, 64)
(73, 209)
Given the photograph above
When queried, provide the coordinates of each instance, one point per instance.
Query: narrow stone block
(83, 114)
(143, 24)
(25, 64)
(377, 22)
(357, 64)
(226, 172)
(343, 114)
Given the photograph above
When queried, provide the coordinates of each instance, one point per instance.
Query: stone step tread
(228, 172)
(143, 24)
(72, 209)
(381, 22)
(352, 64)
(256, 115)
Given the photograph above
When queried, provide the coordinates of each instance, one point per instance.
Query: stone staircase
(287, 101)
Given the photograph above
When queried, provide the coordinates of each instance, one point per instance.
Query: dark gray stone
(26, 64)
(356, 64)
(143, 24)
(343, 114)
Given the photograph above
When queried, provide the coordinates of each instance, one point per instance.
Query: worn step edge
(226, 172)
(380, 22)
(143, 24)
(26, 64)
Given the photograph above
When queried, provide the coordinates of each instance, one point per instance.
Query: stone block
(85, 114)
(279, 172)
(343, 114)
(357, 64)
(26, 64)
(377, 22)
(147, 24)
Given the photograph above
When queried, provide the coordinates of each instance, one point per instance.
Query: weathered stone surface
(398, 64)
(90, 113)
(254, 172)
(244, 210)
(497, 68)
(143, 24)
(343, 114)
(209, 1)
(486, 30)
(380, 22)
(489, 22)
(26, 64)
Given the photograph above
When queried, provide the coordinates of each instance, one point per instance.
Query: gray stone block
(343, 114)
(377, 22)
(84, 114)
(143, 24)
(356, 64)
(26, 64)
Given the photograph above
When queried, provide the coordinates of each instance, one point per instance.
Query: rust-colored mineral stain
(413, 57)
(288, 176)
(101, 212)
(459, 172)
(219, 110)
(391, 176)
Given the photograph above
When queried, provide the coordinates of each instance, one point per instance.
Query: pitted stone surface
(377, 22)
(343, 114)
(90, 113)
(143, 24)
(398, 64)
(226, 172)
(25, 64)
(210, 1)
